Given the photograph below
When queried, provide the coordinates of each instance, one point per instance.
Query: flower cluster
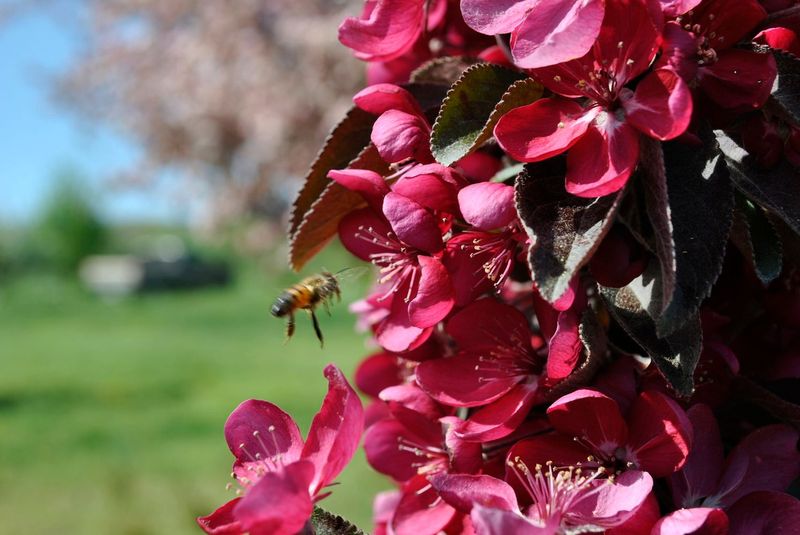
(585, 234)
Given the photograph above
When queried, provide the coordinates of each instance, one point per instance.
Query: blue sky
(38, 137)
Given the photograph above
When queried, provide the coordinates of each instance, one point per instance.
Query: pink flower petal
(399, 135)
(368, 184)
(780, 38)
(355, 235)
(458, 381)
(279, 503)
(590, 415)
(601, 162)
(700, 475)
(385, 30)
(765, 513)
(613, 504)
(429, 189)
(412, 223)
(377, 372)
(740, 79)
(661, 107)
(491, 521)
(498, 322)
(699, 520)
(543, 129)
(673, 8)
(396, 333)
(660, 433)
(434, 297)
(259, 427)
(381, 442)
(500, 418)
(222, 521)
(493, 17)
(557, 31)
(487, 205)
(771, 459)
(335, 431)
(463, 491)
(421, 511)
(379, 98)
(565, 347)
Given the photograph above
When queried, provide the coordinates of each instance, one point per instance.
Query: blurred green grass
(111, 413)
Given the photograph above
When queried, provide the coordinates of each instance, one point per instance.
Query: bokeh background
(150, 151)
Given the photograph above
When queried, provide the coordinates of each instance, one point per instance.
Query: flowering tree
(210, 90)
(586, 235)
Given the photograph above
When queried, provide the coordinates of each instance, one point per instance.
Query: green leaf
(755, 236)
(325, 523)
(474, 104)
(444, 71)
(785, 97)
(701, 205)
(675, 355)
(343, 144)
(776, 190)
(321, 221)
(565, 230)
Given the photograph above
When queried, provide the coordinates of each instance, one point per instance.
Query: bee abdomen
(282, 305)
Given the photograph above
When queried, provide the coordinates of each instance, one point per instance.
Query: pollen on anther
(561, 124)
(556, 78)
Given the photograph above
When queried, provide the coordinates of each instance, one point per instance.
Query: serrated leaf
(429, 96)
(321, 220)
(565, 230)
(474, 104)
(444, 71)
(786, 89)
(701, 205)
(325, 523)
(343, 144)
(777, 190)
(659, 217)
(676, 355)
(758, 239)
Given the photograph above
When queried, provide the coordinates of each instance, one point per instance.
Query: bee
(307, 295)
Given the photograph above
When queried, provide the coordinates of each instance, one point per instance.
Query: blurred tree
(68, 228)
(235, 95)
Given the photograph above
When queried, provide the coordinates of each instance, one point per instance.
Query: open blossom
(700, 46)
(655, 435)
(280, 475)
(765, 460)
(497, 367)
(602, 134)
(562, 499)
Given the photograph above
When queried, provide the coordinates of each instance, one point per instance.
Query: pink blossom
(496, 367)
(543, 32)
(563, 500)
(281, 476)
(766, 459)
(602, 135)
(699, 45)
(654, 436)
(696, 521)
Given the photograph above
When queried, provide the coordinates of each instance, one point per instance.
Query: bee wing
(350, 273)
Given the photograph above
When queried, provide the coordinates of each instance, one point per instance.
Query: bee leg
(327, 307)
(289, 327)
(316, 327)
(338, 293)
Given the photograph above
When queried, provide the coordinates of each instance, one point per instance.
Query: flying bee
(307, 295)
